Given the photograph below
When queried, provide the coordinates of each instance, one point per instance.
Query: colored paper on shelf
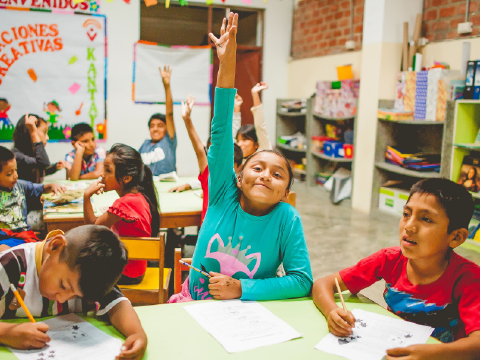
(436, 94)
(167, 4)
(74, 88)
(152, 2)
(442, 97)
(409, 99)
(421, 95)
(400, 93)
(32, 75)
(248, 2)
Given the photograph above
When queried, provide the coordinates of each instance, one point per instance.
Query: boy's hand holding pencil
(31, 335)
(340, 320)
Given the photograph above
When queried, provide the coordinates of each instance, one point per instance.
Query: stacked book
(418, 162)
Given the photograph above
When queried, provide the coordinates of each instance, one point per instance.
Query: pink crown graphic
(232, 259)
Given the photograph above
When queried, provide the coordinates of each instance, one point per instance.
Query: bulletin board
(53, 65)
(191, 73)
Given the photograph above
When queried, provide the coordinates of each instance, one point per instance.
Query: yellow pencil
(341, 296)
(20, 301)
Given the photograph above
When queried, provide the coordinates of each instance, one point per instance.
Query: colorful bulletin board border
(87, 7)
(172, 47)
(101, 129)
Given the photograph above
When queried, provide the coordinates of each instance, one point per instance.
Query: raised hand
(165, 73)
(259, 87)
(187, 107)
(238, 102)
(227, 43)
(31, 123)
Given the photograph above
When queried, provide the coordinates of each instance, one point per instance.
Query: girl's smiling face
(248, 145)
(265, 179)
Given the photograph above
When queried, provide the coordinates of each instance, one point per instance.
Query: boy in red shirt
(427, 282)
(187, 107)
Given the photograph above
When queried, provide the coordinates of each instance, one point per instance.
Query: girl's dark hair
(21, 136)
(289, 167)
(248, 132)
(6, 155)
(128, 162)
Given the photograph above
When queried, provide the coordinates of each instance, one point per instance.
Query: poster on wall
(191, 73)
(65, 6)
(54, 66)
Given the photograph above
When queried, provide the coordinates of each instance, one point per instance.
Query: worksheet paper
(373, 335)
(75, 339)
(241, 325)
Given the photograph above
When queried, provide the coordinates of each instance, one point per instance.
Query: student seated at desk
(136, 212)
(86, 160)
(67, 273)
(427, 282)
(201, 154)
(247, 231)
(29, 140)
(159, 152)
(15, 194)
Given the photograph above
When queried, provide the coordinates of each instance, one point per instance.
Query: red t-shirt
(450, 304)
(203, 178)
(136, 221)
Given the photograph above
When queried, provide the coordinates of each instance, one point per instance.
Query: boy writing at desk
(67, 273)
(427, 282)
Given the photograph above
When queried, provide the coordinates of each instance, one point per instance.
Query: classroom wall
(127, 122)
(441, 17)
(321, 27)
(449, 51)
(303, 74)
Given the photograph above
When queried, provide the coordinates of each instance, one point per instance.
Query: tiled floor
(338, 236)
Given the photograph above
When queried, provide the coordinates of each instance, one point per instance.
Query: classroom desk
(176, 209)
(174, 334)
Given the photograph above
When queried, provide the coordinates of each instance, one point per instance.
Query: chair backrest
(292, 198)
(145, 248)
(178, 268)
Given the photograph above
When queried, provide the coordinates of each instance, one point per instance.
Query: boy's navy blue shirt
(161, 156)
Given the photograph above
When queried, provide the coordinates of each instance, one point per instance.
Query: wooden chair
(178, 268)
(154, 287)
(292, 198)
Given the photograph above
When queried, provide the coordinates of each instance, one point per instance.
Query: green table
(176, 209)
(174, 334)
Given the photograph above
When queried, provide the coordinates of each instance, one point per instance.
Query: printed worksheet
(373, 335)
(75, 339)
(241, 325)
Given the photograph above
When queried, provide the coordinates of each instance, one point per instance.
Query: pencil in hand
(341, 295)
(22, 304)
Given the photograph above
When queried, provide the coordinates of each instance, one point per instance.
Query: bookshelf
(465, 128)
(289, 123)
(410, 136)
(319, 162)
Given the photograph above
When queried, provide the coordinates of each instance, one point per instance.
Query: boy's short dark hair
(237, 155)
(157, 116)
(3, 99)
(454, 199)
(79, 130)
(99, 256)
(6, 155)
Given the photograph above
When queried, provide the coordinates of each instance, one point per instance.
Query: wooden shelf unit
(411, 136)
(319, 162)
(289, 123)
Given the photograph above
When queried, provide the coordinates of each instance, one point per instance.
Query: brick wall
(321, 27)
(441, 17)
